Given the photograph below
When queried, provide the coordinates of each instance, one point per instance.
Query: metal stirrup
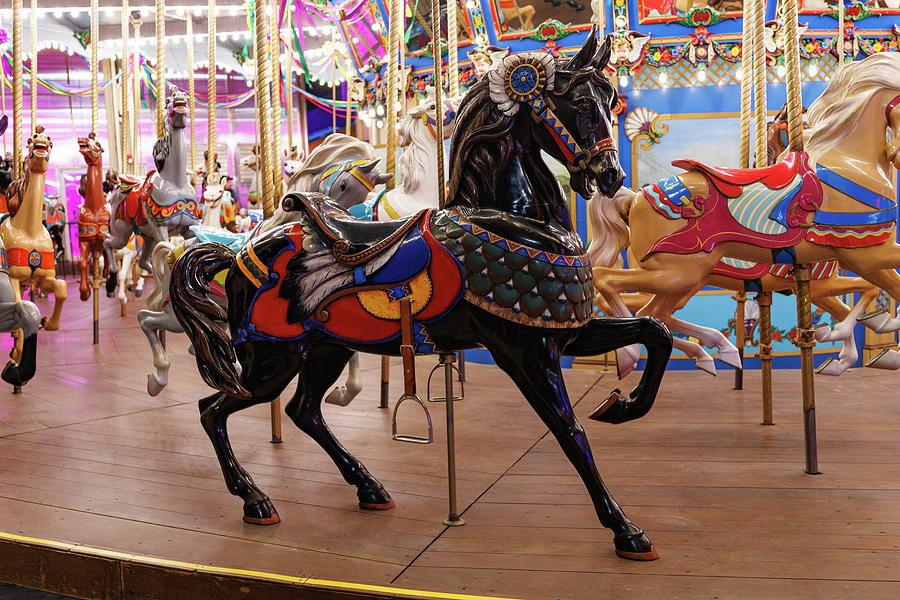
(407, 351)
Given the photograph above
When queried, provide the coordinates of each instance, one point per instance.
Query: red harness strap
(20, 257)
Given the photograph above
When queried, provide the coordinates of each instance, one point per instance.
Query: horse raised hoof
(261, 512)
(612, 410)
(880, 321)
(635, 546)
(730, 356)
(832, 367)
(11, 374)
(375, 498)
(888, 359)
(111, 282)
(84, 293)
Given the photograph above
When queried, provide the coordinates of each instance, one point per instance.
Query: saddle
(126, 182)
(732, 181)
(352, 241)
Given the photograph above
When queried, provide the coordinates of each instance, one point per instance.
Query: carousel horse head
(177, 109)
(90, 149)
(350, 182)
(292, 161)
(39, 146)
(561, 106)
(427, 112)
(336, 149)
(215, 188)
(485, 59)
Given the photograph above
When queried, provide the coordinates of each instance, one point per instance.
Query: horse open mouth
(41, 149)
(179, 104)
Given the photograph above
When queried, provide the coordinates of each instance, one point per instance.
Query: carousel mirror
(418, 25)
(665, 11)
(516, 16)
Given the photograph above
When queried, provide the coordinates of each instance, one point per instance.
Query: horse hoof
(707, 364)
(636, 546)
(154, 387)
(375, 498)
(731, 357)
(138, 293)
(261, 512)
(85, 295)
(824, 333)
(832, 368)
(888, 358)
(381, 506)
(11, 375)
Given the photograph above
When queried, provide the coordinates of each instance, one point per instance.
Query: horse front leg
(119, 233)
(49, 284)
(532, 361)
(84, 287)
(602, 335)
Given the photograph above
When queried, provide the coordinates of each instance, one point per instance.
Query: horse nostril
(609, 178)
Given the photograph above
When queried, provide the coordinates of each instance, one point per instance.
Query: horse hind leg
(342, 396)
(267, 369)
(321, 369)
(151, 323)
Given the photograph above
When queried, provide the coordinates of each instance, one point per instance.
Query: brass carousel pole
(95, 126)
(453, 48)
(135, 162)
(160, 68)
(744, 149)
(191, 91)
(763, 299)
(126, 95)
(211, 90)
(446, 359)
(275, 43)
(34, 61)
(265, 149)
(805, 340)
(17, 88)
(395, 33)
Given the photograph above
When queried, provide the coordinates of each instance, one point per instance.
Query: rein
(333, 173)
(890, 107)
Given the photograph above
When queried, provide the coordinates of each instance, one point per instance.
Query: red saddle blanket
(133, 208)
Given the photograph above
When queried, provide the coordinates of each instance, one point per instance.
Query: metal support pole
(453, 519)
(275, 407)
(385, 381)
(764, 300)
(462, 365)
(741, 299)
(95, 283)
(805, 341)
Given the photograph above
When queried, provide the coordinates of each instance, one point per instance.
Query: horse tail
(609, 222)
(161, 275)
(204, 320)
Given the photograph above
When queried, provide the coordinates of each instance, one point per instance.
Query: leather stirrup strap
(407, 351)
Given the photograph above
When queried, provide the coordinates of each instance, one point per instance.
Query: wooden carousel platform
(119, 495)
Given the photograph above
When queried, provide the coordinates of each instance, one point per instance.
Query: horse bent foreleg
(342, 396)
(151, 323)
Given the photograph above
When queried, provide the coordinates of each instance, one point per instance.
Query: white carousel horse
(166, 200)
(337, 149)
(416, 185)
(254, 195)
(127, 278)
(218, 204)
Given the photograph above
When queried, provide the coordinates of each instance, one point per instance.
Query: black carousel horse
(498, 266)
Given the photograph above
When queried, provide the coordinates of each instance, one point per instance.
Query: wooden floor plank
(87, 457)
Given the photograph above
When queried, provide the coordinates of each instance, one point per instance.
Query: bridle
(431, 122)
(529, 79)
(333, 173)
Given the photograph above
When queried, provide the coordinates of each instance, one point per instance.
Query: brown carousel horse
(835, 201)
(29, 246)
(93, 218)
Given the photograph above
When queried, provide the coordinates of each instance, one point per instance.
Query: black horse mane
(480, 148)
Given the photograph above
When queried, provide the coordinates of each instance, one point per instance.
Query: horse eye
(343, 185)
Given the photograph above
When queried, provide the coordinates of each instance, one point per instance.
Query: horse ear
(601, 58)
(383, 178)
(368, 166)
(584, 56)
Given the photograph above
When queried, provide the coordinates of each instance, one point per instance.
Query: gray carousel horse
(165, 201)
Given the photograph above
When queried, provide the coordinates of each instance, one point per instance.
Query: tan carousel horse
(826, 285)
(29, 247)
(835, 201)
